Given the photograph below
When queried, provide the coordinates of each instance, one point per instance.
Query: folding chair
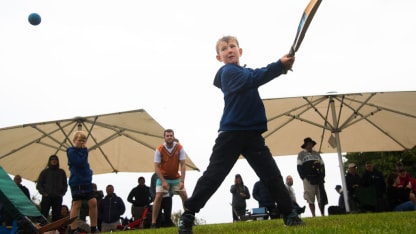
(137, 224)
(259, 213)
(23, 211)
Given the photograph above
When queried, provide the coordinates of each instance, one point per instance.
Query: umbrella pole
(341, 164)
(341, 168)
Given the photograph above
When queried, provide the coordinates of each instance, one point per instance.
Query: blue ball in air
(34, 19)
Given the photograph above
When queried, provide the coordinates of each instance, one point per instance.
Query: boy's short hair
(80, 135)
(226, 39)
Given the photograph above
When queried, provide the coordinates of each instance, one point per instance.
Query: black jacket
(110, 209)
(52, 181)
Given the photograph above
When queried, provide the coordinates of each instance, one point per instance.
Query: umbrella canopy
(361, 122)
(117, 142)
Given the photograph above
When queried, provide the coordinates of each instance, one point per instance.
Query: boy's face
(229, 52)
(80, 142)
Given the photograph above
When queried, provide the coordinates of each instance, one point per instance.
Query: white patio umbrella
(117, 142)
(355, 122)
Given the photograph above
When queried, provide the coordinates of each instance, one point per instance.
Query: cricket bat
(304, 23)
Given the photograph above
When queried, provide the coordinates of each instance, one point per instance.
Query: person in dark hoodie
(240, 194)
(240, 133)
(52, 185)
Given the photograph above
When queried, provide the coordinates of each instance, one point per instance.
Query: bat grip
(291, 54)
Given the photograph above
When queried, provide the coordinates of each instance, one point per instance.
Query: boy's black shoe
(292, 219)
(186, 222)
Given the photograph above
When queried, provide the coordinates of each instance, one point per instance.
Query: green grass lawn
(389, 222)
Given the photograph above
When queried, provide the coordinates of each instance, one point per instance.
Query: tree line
(385, 162)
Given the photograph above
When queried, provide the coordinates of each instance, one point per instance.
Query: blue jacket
(263, 195)
(81, 174)
(244, 109)
(110, 209)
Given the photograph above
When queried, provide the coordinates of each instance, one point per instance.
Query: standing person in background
(140, 198)
(80, 181)
(353, 181)
(263, 196)
(240, 132)
(164, 218)
(311, 170)
(52, 185)
(373, 177)
(110, 209)
(18, 180)
(240, 194)
(168, 158)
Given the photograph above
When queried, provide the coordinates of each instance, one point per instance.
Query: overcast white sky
(103, 56)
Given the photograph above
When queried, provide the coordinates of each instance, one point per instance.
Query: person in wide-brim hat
(306, 141)
(311, 170)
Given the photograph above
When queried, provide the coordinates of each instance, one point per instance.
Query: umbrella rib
(365, 117)
(280, 126)
(386, 109)
(18, 149)
(122, 129)
(362, 117)
(287, 113)
(387, 134)
(97, 145)
(309, 105)
(354, 111)
(118, 128)
(138, 141)
(106, 140)
(323, 129)
(38, 140)
(46, 134)
(58, 147)
(66, 136)
(52, 146)
(93, 123)
(313, 105)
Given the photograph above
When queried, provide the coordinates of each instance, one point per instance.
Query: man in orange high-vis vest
(168, 157)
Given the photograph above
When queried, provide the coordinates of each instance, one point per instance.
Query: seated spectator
(289, 187)
(340, 209)
(401, 198)
(405, 177)
(64, 213)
